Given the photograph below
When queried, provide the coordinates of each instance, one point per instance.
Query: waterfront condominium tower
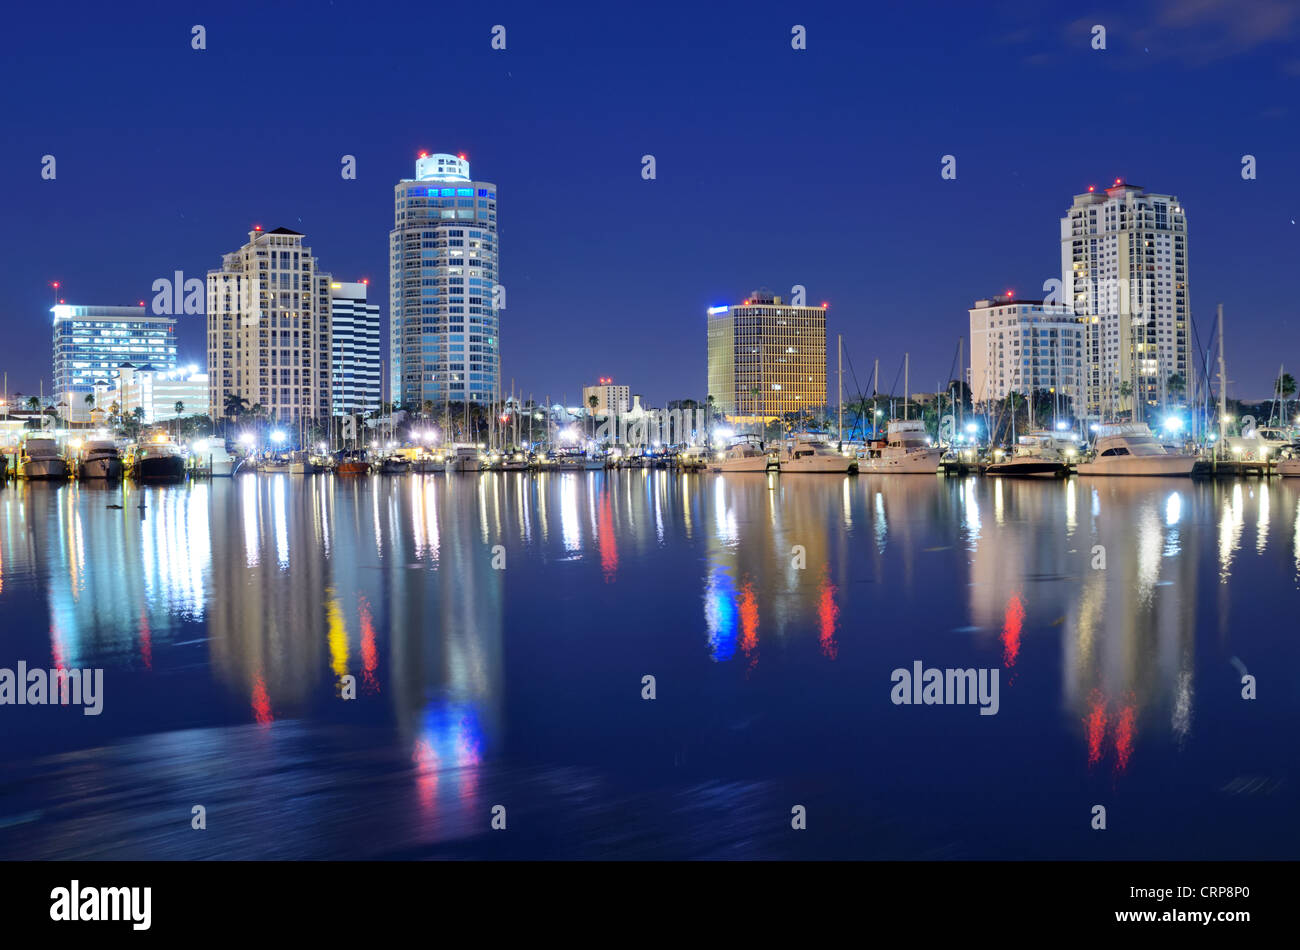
(766, 358)
(1025, 345)
(354, 347)
(269, 329)
(443, 273)
(1124, 271)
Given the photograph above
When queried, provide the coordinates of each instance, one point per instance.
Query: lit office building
(609, 397)
(269, 329)
(90, 343)
(354, 347)
(766, 358)
(1025, 345)
(443, 260)
(1124, 270)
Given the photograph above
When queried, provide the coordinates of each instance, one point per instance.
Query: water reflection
(283, 597)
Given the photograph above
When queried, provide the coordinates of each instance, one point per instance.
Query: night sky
(775, 167)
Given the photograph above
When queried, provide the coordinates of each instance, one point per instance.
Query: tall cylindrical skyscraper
(443, 273)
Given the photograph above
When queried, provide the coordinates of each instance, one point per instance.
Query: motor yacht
(907, 450)
(99, 458)
(158, 461)
(1039, 454)
(745, 456)
(463, 458)
(1130, 449)
(40, 458)
(810, 455)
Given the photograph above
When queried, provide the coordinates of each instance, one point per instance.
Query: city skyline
(875, 177)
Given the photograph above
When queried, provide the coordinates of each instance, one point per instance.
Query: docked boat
(425, 465)
(393, 465)
(518, 462)
(1038, 454)
(301, 463)
(99, 458)
(157, 461)
(1289, 467)
(210, 458)
(576, 461)
(274, 465)
(694, 458)
(1129, 448)
(40, 459)
(813, 455)
(351, 463)
(907, 450)
(746, 456)
(462, 458)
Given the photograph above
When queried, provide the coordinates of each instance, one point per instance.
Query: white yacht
(1129, 448)
(462, 458)
(745, 456)
(99, 458)
(1039, 453)
(907, 451)
(813, 455)
(41, 458)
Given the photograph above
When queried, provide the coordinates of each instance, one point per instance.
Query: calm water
(226, 614)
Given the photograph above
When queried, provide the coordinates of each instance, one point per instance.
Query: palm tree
(1125, 391)
(180, 408)
(1176, 385)
(90, 400)
(593, 402)
(33, 403)
(234, 405)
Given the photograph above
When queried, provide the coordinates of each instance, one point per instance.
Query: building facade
(609, 397)
(90, 343)
(158, 392)
(354, 350)
(1124, 271)
(269, 329)
(443, 275)
(766, 358)
(1025, 345)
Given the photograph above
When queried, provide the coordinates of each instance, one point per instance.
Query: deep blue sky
(775, 167)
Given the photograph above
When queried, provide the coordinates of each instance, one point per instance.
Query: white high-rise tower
(1124, 271)
(443, 255)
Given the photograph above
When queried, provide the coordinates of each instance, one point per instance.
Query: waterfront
(225, 614)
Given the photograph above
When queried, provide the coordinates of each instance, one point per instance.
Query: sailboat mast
(839, 425)
(907, 389)
(1223, 380)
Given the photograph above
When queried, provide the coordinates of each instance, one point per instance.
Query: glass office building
(90, 343)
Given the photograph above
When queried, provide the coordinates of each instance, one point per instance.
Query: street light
(278, 436)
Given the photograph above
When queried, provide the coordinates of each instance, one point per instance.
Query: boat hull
(107, 467)
(1289, 467)
(818, 466)
(1149, 465)
(44, 469)
(1039, 468)
(352, 468)
(303, 468)
(167, 469)
(733, 466)
(913, 463)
